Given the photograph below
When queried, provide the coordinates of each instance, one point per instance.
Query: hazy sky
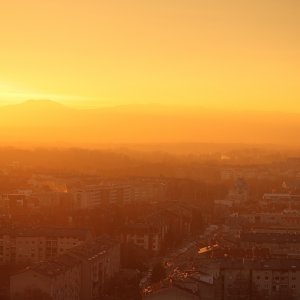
(233, 54)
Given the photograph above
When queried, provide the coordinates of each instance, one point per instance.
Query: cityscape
(149, 150)
(223, 231)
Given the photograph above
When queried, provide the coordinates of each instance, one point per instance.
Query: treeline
(106, 163)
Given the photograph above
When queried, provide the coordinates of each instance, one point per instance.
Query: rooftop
(73, 257)
(46, 232)
(93, 249)
(262, 264)
(274, 237)
(55, 266)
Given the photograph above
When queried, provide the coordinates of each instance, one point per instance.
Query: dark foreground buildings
(80, 273)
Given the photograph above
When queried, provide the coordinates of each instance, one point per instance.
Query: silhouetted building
(32, 245)
(81, 273)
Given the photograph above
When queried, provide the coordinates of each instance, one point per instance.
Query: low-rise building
(280, 198)
(172, 292)
(79, 274)
(149, 236)
(178, 220)
(286, 218)
(279, 244)
(58, 278)
(92, 196)
(100, 262)
(270, 278)
(33, 245)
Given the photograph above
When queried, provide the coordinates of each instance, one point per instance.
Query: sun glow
(13, 93)
(219, 54)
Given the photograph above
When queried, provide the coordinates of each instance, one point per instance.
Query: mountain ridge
(138, 107)
(40, 121)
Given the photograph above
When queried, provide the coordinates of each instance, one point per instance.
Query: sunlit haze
(149, 149)
(233, 54)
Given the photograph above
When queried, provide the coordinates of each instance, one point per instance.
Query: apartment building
(178, 220)
(269, 278)
(279, 244)
(148, 189)
(148, 233)
(79, 274)
(280, 198)
(239, 193)
(33, 245)
(58, 278)
(24, 199)
(92, 196)
(100, 262)
(11, 201)
(286, 218)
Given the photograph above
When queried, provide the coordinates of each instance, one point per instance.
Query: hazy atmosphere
(232, 55)
(48, 123)
(149, 150)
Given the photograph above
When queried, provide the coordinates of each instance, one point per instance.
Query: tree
(240, 290)
(158, 272)
(197, 224)
(284, 294)
(259, 294)
(32, 294)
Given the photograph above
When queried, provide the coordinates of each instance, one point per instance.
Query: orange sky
(233, 54)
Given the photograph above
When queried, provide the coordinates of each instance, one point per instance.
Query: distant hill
(44, 122)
